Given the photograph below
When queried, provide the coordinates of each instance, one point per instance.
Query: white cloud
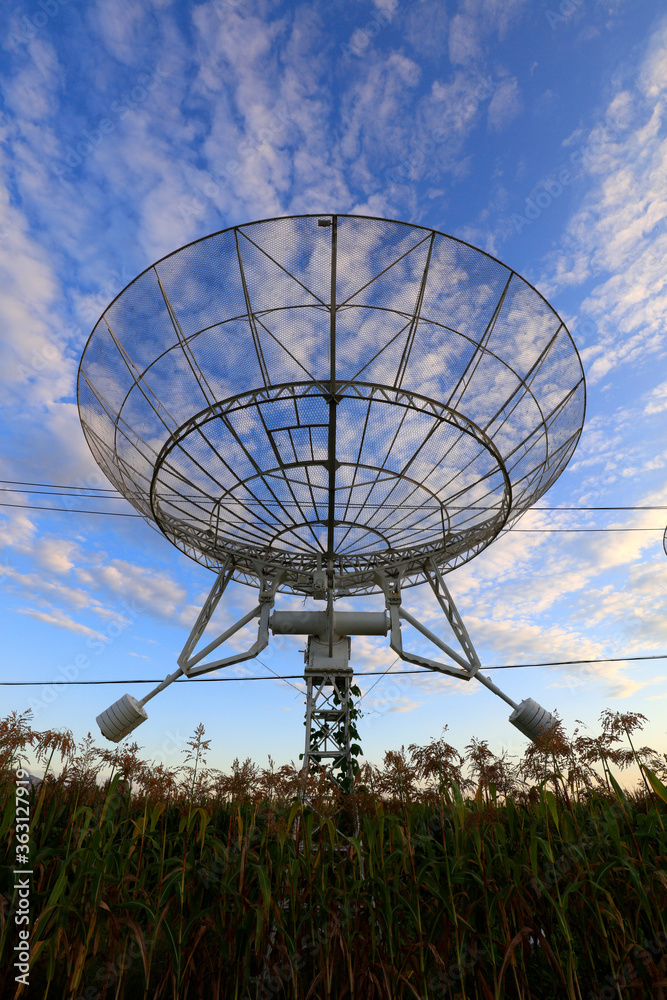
(505, 104)
(425, 25)
(475, 20)
(388, 7)
(37, 586)
(386, 705)
(120, 26)
(657, 401)
(653, 73)
(54, 554)
(61, 620)
(374, 109)
(464, 40)
(32, 93)
(618, 230)
(17, 530)
(34, 366)
(153, 591)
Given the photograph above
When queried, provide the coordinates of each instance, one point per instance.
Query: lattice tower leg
(328, 723)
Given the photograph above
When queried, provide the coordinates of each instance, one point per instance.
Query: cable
(551, 531)
(657, 507)
(379, 678)
(115, 513)
(267, 667)
(368, 673)
(119, 496)
(95, 489)
(61, 510)
(61, 493)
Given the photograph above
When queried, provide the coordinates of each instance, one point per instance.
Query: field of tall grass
(440, 875)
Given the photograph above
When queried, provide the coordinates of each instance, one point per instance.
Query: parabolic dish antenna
(331, 406)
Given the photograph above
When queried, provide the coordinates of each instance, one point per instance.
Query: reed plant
(439, 875)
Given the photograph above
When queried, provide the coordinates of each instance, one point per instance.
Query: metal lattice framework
(335, 391)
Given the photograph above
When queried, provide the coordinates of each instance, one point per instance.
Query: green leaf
(617, 788)
(550, 799)
(265, 887)
(156, 812)
(655, 782)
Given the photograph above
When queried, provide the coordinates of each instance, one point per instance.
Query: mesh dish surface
(339, 389)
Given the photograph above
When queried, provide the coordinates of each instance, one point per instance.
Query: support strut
(328, 674)
(527, 716)
(127, 713)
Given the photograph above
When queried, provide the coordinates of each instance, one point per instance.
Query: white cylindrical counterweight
(531, 719)
(121, 718)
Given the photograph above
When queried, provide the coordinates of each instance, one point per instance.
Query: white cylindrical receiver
(317, 623)
(531, 719)
(121, 718)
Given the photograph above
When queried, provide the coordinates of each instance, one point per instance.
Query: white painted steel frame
(327, 671)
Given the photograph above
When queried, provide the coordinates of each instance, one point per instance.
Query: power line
(61, 493)
(94, 489)
(115, 513)
(368, 673)
(68, 510)
(267, 667)
(119, 496)
(655, 507)
(98, 493)
(551, 531)
(373, 686)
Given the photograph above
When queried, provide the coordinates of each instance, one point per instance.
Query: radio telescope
(330, 406)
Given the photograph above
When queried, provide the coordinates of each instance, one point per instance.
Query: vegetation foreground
(438, 876)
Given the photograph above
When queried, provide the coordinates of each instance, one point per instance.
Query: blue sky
(534, 130)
